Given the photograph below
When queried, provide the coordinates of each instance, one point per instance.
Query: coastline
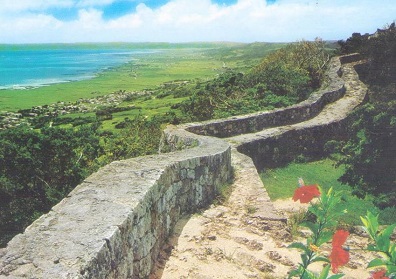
(143, 71)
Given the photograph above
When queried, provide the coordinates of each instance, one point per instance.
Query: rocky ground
(245, 237)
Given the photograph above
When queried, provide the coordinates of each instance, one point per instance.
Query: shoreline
(144, 71)
(63, 67)
(140, 72)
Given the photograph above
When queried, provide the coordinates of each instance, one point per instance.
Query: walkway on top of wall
(332, 112)
(336, 102)
(235, 240)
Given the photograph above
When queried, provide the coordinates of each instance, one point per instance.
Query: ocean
(29, 66)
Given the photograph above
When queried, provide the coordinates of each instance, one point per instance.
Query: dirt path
(246, 237)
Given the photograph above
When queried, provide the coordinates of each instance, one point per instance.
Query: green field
(168, 63)
(281, 183)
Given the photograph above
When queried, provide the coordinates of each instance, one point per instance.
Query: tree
(368, 156)
(37, 169)
(369, 153)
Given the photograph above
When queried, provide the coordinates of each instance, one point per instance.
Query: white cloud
(197, 20)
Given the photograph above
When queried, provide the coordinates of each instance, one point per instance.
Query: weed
(294, 221)
(250, 209)
(224, 192)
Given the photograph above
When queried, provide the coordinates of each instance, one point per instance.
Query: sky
(70, 21)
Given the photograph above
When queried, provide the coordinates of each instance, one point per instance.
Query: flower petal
(339, 256)
(306, 193)
(380, 274)
(339, 238)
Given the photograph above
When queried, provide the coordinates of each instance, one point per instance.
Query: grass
(281, 183)
(147, 71)
(175, 62)
(172, 62)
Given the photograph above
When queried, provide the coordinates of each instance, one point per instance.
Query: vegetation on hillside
(282, 78)
(39, 168)
(369, 154)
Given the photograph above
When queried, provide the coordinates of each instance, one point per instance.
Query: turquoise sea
(27, 66)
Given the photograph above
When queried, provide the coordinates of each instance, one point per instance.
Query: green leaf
(314, 209)
(331, 223)
(376, 262)
(324, 237)
(294, 273)
(388, 230)
(299, 245)
(364, 221)
(372, 247)
(310, 225)
(308, 275)
(325, 272)
(320, 259)
(383, 243)
(391, 269)
(392, 251)
(373, 223)
(383, 238)
(336, 276)
(304, 259)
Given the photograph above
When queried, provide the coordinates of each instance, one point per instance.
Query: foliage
(284, 77)
(370, 167)
(43, 121)
(367, 156)
(380, 51)
(381, 243)
(280, 184)
(293, 69)
(325, 210)
(138, 137)
(221, 94)
(39, 168)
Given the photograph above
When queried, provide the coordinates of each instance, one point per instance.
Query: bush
(283, 78)
(37, 169)
(370, 167)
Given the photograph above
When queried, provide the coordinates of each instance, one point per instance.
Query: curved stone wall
(280, 145)
(114, 224)
(237, 125)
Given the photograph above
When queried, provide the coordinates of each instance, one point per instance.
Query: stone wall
(278, 150)
(114, 223)
(223, 128)
(279, 146)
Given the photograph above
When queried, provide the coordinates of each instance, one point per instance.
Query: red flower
(380, 274)
(306, 193)
(339, 256)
